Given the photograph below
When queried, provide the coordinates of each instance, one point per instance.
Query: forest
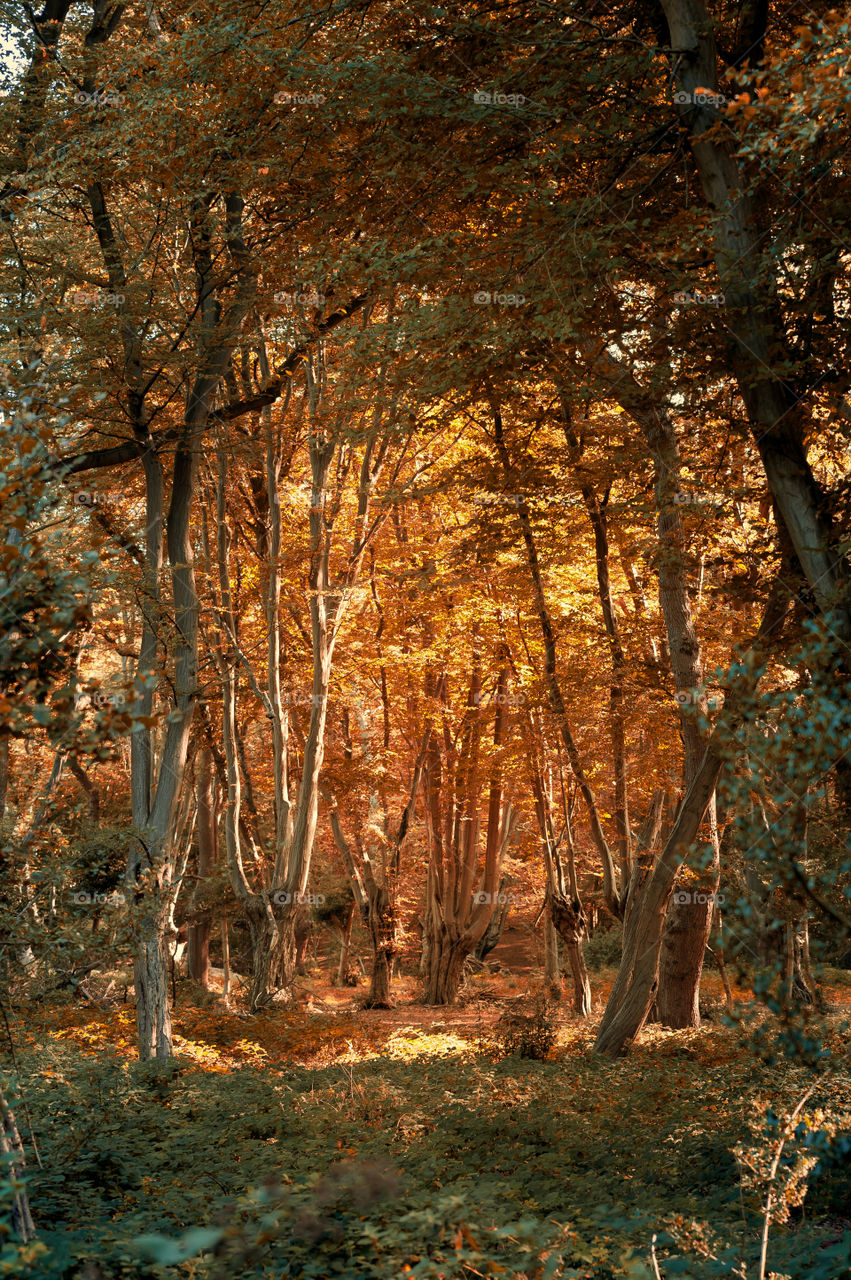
(425, 640)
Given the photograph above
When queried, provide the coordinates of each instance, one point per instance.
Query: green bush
(603, 949)
(528, 1035)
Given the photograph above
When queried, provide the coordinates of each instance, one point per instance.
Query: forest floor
(325, 1140)
(328, 1024)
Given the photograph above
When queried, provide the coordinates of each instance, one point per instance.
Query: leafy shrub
(528, 1035)
(603, 949)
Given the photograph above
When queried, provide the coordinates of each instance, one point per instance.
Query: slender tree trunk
(614, 898)
(303, 931)
(201, 929)
(4, 772)
(491, 938)
(722, 959)
(345, 945)
(564, 906)
(225, 959)
(552, 966)
(617, 719)
(462, 895)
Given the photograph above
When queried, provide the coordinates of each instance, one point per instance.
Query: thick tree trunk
(381, 924)
(445, 977)
(635, 986)
(150, 978)
(745, 259)
(802, 959)
(264, 932)
(286, 950)
(681, 962)
(569, 919)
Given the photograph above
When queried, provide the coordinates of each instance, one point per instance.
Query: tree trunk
(617, 719)
(445, 976)
(722, 960)
(200, 930)
(381, 924)
(345, 944)
(681, 962)
(614, 897)
(286, 951)
(265, 938)
(4, 772)
(225, 960)
(491, 937)
(150, 978)
(462, 896)
(552, 970)
(637, 980)
(569, 919)
(745, 259)
(802, 956)
(303, 928)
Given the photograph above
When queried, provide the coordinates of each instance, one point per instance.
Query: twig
(656, 1271)
(769, 1200)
